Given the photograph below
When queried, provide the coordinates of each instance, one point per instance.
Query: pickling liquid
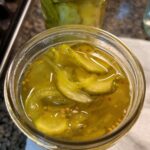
(75, 93)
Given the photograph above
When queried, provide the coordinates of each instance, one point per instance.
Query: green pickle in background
(62, 12)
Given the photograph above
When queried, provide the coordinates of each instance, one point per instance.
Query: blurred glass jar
(146, 19)
(62, 12)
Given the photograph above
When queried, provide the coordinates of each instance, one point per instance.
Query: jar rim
(102, 140)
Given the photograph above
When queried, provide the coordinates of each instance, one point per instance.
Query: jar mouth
(100, 37)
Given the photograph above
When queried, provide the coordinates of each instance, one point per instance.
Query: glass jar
(62, 12)
(146, 19)
(73, 34)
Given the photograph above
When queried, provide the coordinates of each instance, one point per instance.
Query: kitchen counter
(119, 21)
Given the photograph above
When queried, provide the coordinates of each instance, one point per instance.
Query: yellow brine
(75, 92)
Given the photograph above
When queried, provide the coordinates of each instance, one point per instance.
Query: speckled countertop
(119, 21)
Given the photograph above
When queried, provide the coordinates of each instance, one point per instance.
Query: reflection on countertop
(123, 18)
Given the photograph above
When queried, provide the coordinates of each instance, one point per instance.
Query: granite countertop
(119, 21)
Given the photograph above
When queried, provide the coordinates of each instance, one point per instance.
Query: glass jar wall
(67, 34)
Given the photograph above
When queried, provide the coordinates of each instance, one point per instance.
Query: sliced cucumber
(88, 63)
(87, 81)
(33, 106)
(65, 55)
(94, 84)
(36, 100)
(101, 86)
(83, 60)
(67, 87)
(82, 74)
(58, 55)
(71, 89)
(51, 124)
(87, 48)
(38, 75)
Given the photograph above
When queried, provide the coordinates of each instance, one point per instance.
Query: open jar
(74, 34)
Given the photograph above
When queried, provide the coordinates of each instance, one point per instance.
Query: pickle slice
(71, 89)
(95, 85)
(87, 63)
(39, 74)
(67, 87)
(59, 56)
(51, 124)
(82, 60)
(96, 57)
(33, 107)
(82, 74)
(37, 98)
(65, 55)
(102, 86)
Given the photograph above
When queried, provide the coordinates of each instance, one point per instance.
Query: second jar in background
(61, 12)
